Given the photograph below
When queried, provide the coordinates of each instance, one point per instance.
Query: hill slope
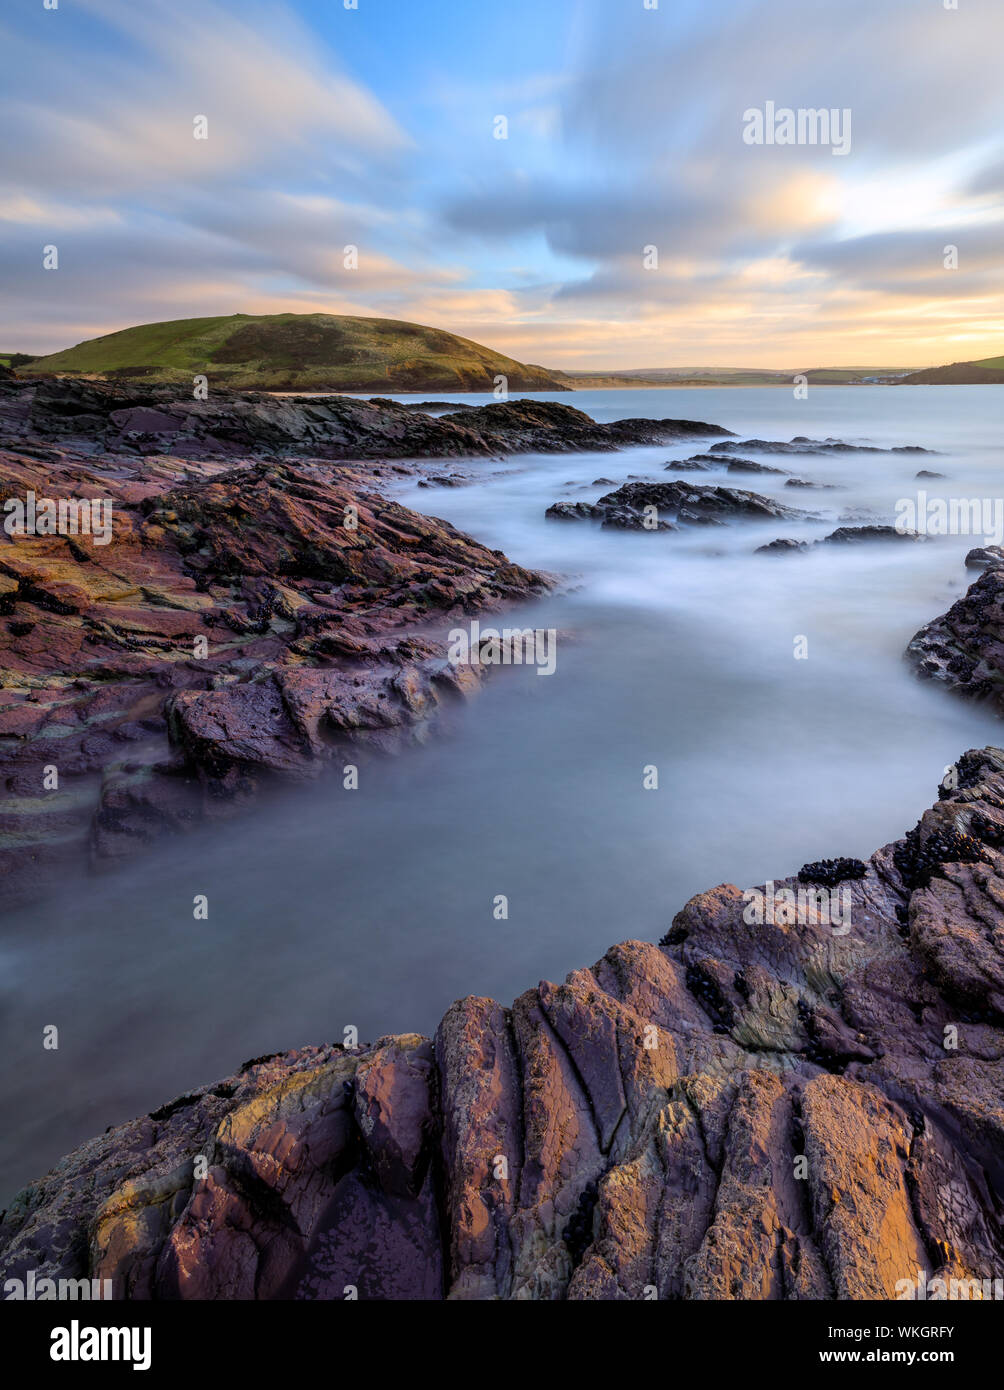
(987, 371)
(298, 352)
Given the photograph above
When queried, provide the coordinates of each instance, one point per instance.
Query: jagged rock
(547, 427)
(571, 511)
(684, 504)
(128, 418)
(964, 648)
(795, 1105)
(802, 482)
(234, 630)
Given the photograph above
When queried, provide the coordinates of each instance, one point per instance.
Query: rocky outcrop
(843, 535)
(864, 535)
(964, 648)
(103, 417)
(244, 623)
(796, 1095)
(548, 427)
(985, 557)
(676, 504)
(800, 444)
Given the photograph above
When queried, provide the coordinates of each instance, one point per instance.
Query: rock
(235, 630)
(855, 535)
(686, 504)
(571, 511)
(801, 482)
(547, 427)
(801, 445)
(761, 1107)
(748, 466)
(964, 648)
(784, 546)
(699, 463)
(926, 473)
(104, 416)
(985, 557)
(844, 535)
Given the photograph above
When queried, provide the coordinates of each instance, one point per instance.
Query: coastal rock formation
(862, 535)
(843, 535)
(791, 1097)
(244, 622)
(105, 417)
(708, 462)
(678, 504)
(985, 557)
(964, 648)
(800, 444)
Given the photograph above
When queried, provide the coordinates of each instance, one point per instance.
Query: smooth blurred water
(374, 907)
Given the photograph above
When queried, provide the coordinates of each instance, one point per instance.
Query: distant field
(725, 376)
(299, 352)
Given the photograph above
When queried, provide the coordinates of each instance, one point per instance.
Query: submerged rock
(796, 1095)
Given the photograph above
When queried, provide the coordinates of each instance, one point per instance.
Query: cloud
(625, 135)
(122, 123)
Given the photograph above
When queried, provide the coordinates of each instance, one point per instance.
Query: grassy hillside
(298, 352)
(986, 371)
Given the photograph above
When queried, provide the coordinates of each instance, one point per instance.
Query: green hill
(297, 352)
(987, 371)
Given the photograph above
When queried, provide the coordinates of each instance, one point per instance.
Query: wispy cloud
(329, 128)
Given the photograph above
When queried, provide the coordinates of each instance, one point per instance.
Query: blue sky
(374, 127)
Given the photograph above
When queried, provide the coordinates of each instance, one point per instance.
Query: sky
(627, 219)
